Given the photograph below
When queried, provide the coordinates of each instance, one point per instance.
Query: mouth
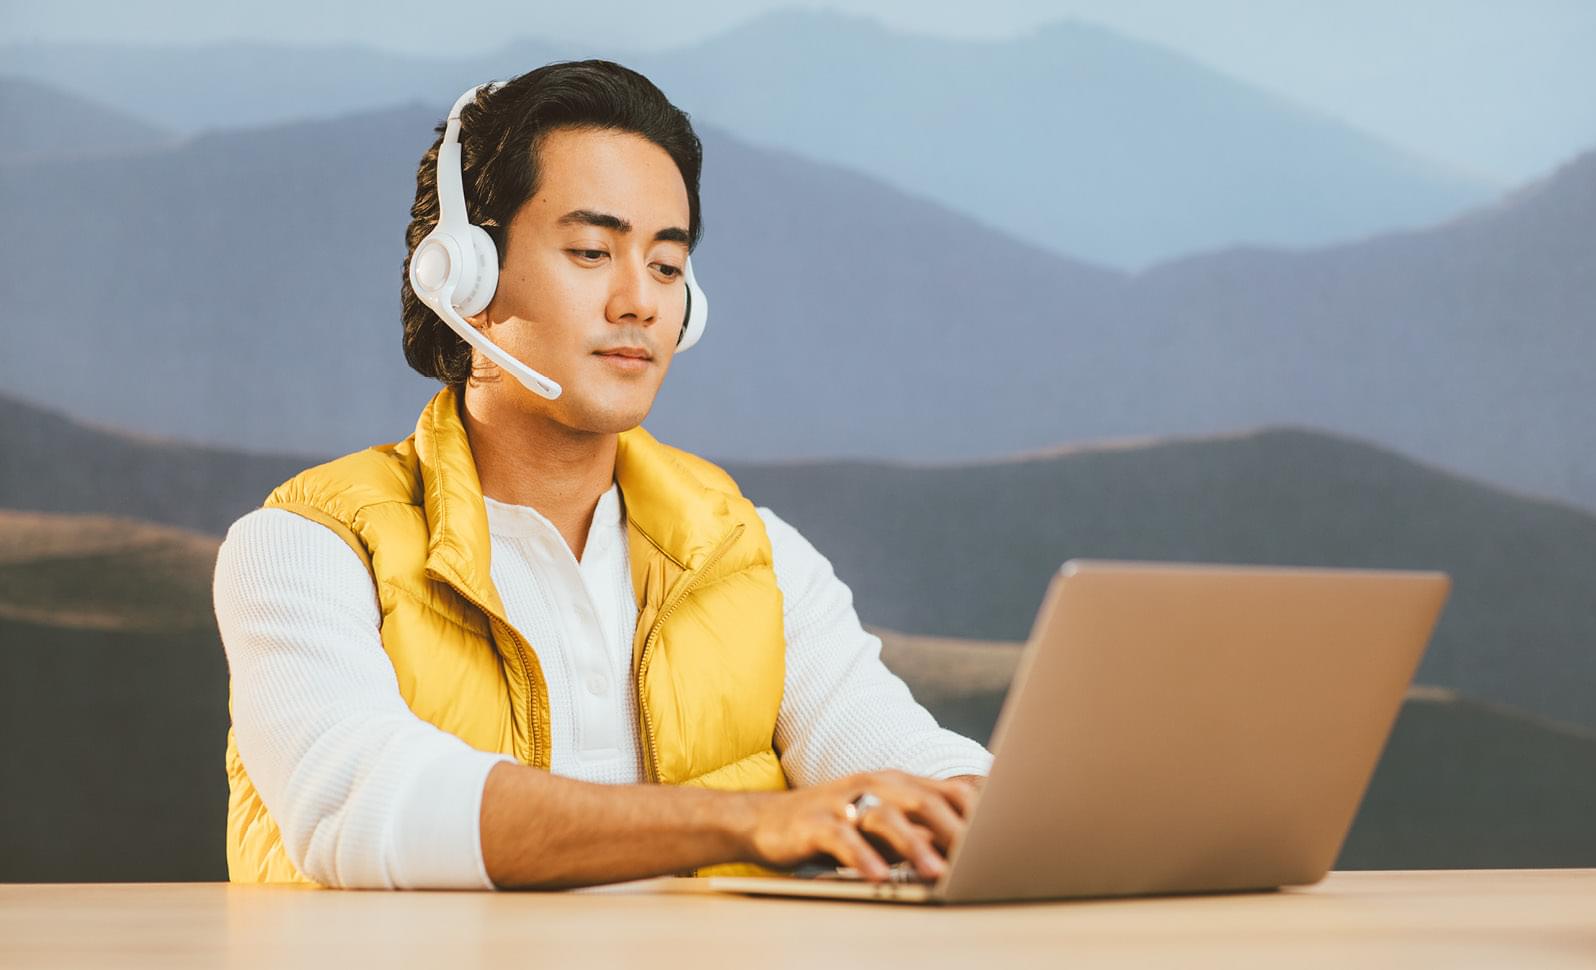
(627, 360)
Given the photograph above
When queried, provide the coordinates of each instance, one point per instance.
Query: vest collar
(666, 505)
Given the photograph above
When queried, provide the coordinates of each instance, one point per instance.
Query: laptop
(1177, 728)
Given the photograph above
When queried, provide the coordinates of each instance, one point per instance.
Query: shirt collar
(669, 509)
(523, 521)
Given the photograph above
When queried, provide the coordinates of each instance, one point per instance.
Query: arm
(547, 832)
(366, 793)
(539, 829)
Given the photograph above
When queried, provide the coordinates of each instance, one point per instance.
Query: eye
(588, 253)
(674, 271)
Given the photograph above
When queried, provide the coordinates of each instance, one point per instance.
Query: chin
(612, 417)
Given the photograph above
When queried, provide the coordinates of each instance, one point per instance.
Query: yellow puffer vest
(707, 661)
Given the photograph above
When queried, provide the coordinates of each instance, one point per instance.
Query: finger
(960, 793)
(923, 801)
(913, 842)
(850, 848)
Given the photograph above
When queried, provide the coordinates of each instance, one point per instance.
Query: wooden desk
(1489, 918)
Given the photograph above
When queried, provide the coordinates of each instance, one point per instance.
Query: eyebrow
(603, 220)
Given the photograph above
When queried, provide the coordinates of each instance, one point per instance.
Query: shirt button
(597, 684)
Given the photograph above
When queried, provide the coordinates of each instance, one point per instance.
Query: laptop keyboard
(897, 872)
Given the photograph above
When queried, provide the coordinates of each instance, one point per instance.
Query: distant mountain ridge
(936, 338)
(967, 551)
(1112, 150)
(43, 121)
(56, 464)
(1073, 137)
(142, 577)
(1464, 344)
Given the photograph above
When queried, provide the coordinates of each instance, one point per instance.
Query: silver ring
(859, 806)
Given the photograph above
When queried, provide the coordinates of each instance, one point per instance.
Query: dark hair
(500, 135)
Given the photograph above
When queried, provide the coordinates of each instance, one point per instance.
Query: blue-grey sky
(1498, 89)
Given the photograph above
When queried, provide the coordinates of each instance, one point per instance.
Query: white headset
(455, 269)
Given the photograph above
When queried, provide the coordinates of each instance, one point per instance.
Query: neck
(528, 459)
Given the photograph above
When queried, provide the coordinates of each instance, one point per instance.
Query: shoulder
(346, 485)
(709, 474)
(270, 553)
(802, 571)
(287, 593)
(781, 531)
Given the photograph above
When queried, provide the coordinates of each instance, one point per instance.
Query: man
(530, 645)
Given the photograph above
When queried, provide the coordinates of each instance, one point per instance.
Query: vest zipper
(653, 634)
(526, 668)
(531, 691)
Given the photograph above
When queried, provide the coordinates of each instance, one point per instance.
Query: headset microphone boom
(455, 269)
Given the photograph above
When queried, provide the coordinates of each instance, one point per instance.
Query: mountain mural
(1077, 139)
(242, 289)
(1262, 336)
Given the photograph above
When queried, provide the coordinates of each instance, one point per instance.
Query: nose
(634, 296)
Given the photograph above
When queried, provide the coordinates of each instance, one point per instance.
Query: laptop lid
(1191, 728)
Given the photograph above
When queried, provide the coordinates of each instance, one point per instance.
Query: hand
(918, 820)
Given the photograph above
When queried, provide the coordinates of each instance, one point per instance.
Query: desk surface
(1484, 918)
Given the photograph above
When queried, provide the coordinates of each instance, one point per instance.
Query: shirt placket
(594, 684)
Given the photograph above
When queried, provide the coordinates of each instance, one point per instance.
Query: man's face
(571, 289)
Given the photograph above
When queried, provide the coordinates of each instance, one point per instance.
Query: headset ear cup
(430, 265)
(687, 318)
(697, 311)
(479, 271)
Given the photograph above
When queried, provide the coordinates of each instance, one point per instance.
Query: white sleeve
(366, 793)
(842, 709)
